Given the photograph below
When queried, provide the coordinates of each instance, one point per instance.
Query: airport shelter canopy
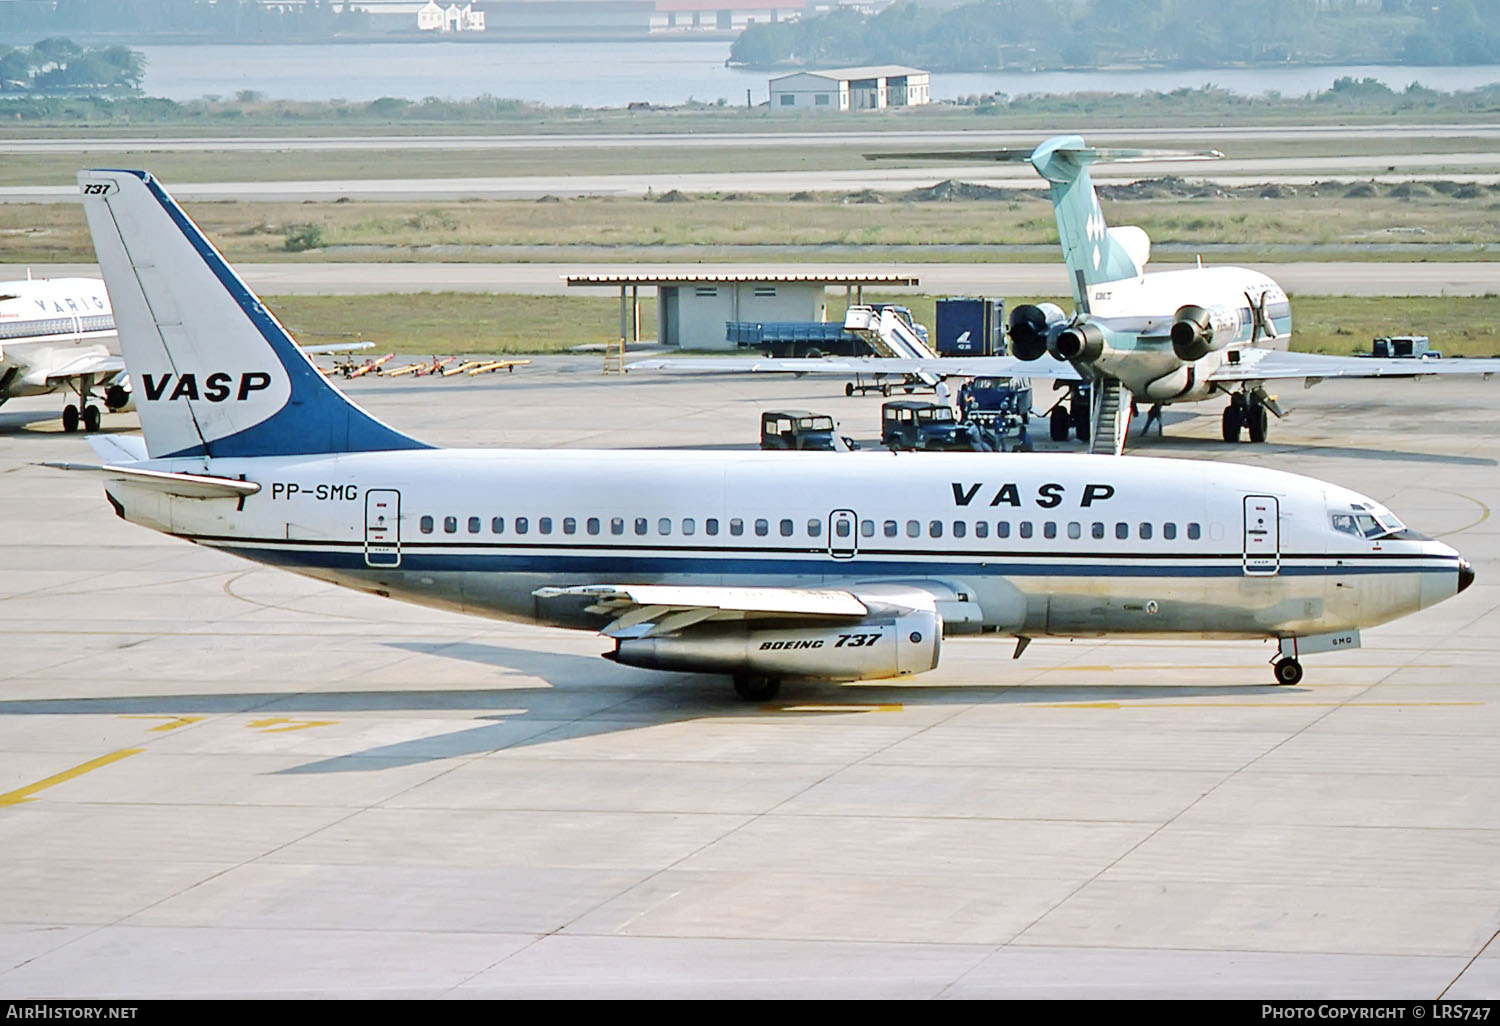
(692, 308)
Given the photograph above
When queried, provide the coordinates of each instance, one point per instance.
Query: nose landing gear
(1288, 671)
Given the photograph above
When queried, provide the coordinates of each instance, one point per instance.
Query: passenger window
(570, 526)
(711, 526)
(544, 525)
(1169, 531)
(617, 525)
(689, 525)
(960, 528)
(762, 527)
(474, 525)
(935, 528)
(867, 528)
(641, 525)
(497, 525)
(522, 525)
(913, 529)
(1026, 529)
(982, 529)
(592, 525)
(1075, 529)
(736, 527)
(1002, 529)
(1122, 531)
(1097, 530)
(843, 528)
(1194, 532)
(664, 525)
(786, 527)
(1145, 532)
(891, 528)
(426, 523)
(450, 525)
(1049, 529)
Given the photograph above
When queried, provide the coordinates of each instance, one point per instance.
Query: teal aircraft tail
(1093, 252)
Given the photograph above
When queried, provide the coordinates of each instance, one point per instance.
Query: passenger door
(1262, 536)
(382, 527)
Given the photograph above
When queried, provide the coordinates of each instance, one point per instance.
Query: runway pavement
(1481, 166)
(222, 780)
(818, 135)
(1309, 278)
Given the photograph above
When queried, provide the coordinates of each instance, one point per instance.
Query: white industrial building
(693, 310)
(844, 89)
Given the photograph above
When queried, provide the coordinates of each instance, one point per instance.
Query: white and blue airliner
(761, 566)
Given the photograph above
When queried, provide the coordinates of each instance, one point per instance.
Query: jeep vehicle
(800, 429)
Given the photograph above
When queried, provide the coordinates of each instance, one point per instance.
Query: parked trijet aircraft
(757, 565)
(1155, 338)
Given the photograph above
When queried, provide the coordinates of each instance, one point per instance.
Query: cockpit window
(1363, 521)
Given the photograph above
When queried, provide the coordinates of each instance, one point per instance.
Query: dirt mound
(673, 196)
(1410, 190)
(1167, 187)
(948, 190)
(863, 196)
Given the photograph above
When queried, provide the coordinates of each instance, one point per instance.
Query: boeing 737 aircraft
(52, 336)
(1156, 338)
(757, 565)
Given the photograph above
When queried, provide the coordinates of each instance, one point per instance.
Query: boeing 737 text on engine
(757, 565)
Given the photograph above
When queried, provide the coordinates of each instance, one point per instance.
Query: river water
(565, 74)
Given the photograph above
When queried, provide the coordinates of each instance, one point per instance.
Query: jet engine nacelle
(881, 646)
(1032, 329)
(1084, 343)
(1196, 332)
(119, 397)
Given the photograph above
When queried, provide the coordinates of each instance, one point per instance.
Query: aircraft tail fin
(1093, 251)
(213, 372)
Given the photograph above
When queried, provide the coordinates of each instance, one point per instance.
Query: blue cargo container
(970, 327)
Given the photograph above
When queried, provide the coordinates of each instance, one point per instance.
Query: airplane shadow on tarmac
(584, 696)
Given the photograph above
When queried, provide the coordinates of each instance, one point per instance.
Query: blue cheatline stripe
(608, 564)
(317, 417)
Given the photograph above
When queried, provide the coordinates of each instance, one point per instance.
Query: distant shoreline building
(562, 19)
(453, 18)
(875, 87)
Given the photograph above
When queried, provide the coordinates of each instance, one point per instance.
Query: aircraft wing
(642, 610)
(1273, 364)
(336, 347)
(873, 366)
(76, 366)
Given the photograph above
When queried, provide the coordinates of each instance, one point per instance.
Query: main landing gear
(1246, 412)
(1071, 414)
(88, 417)
(754, 688)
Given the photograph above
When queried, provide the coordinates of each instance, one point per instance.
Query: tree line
(61, 65)
(1015, 34)
(236, 19)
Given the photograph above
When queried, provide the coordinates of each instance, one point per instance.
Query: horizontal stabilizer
(187, 486)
